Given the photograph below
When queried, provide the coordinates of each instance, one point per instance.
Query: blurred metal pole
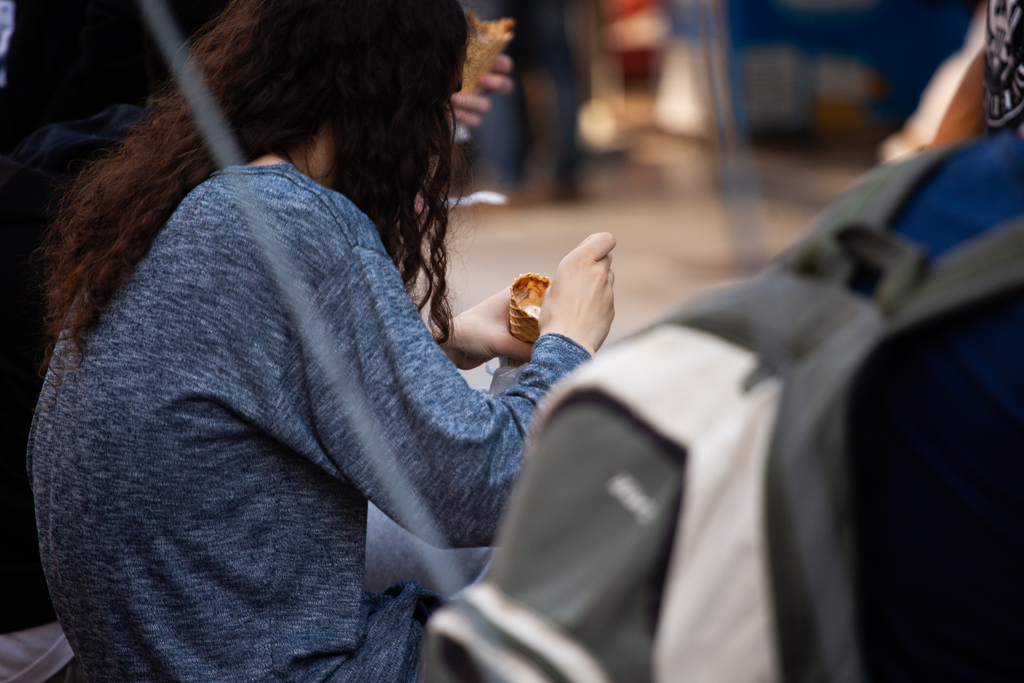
(824, 572)
(737, 174)
(351, 400)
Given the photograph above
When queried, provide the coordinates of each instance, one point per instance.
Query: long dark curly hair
(378, 73)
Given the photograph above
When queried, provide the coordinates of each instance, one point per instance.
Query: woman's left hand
(481, 333)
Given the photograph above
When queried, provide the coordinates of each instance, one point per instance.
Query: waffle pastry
(524, 307)
(487, 40)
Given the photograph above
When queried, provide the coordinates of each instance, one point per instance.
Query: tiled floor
(662, 202)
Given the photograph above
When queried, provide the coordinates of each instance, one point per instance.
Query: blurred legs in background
(503, 141)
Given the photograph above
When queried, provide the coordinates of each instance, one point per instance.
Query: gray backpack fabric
(685, 512)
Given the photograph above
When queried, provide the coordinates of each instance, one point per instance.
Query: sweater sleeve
(457, 450)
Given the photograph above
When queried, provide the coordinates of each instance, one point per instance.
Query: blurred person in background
(32, 645)
(111, 54)
(66, 60)
(181, 388)
(948, 109)
(942, 477)
(503, 141)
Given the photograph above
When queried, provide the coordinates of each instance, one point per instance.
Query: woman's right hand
(580, 304)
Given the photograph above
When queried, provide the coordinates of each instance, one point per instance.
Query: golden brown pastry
(487, 40)
(524, 308)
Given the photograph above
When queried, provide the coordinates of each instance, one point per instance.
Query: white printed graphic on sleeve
(6, 31)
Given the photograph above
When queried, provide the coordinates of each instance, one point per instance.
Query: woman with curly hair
(201, 493)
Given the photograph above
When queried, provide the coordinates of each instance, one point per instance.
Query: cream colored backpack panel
(716, 619)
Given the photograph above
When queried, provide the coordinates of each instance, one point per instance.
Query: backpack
(685, 512)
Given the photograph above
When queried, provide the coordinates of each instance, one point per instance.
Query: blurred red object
(616, 9)
(635, 31)
(638, 63)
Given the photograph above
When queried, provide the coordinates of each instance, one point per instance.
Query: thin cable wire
(737, 174)
(226, 152)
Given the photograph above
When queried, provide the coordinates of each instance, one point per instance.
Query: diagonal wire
(226, 152)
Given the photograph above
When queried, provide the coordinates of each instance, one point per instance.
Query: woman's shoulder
(281, 198)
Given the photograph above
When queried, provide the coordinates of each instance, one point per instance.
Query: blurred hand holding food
(485, 71)
(470, 107)
(487, 40)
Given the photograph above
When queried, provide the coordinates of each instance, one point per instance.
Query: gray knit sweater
(201, 498)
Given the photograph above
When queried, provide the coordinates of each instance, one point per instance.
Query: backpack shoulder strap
(988, 266)
(873, 204)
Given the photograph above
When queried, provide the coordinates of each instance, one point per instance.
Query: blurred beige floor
(661, 201)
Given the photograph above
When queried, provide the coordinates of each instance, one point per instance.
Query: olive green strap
(900, 263)
(982, 269)
(872, 206)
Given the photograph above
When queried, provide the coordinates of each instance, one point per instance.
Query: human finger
(503, 64)
(467, 119)
(496, 84)
(475, 104)
(596, 247)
